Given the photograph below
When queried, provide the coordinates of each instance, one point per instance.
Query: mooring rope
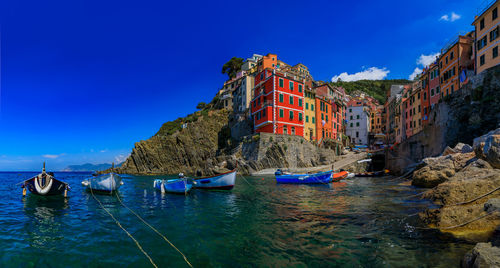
(459, 225)
(125, 230)
(155, 230)
(477, 198)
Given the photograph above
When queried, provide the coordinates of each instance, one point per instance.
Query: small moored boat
(105, 183)
(176, 186)
(373, 174)
(316, 178)
(45, 184)
(224, 181)
(340, 175)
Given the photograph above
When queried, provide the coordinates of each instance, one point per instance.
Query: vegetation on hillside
(232, 67)
(375, 88)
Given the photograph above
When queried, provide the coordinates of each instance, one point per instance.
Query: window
(326, 118)
(357, 124)
(357, 116)
(281, 113)
(281, 82)
(293, 130)
(322, 116)
(300, 88)
(300, 116)
(313, 120)
(261, 76)
(263, 112)
(291, 115)
(312, 107)
(357, 134)
(350, 110)
(351, 117)
(351, 124)
(494, 34)
(482, 43)
(425, 95)
(481, 60)
(452, 88)
(307, 105)
(451, 55)
(285, 130)
(300, 102)
(419, 108)
(495, 52)
(432, 92)
(307, 119)
(291, 85)
(481, 24)
(446, 60)
(494, 14)
(291, 99)
(281, 98)
(326, 108)
(437, 90)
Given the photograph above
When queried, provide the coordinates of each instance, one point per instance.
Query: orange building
(323, 118)
(267, 62)
(487, 33)
(455, 58)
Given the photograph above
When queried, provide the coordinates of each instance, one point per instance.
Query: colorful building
(310, 114)
(358, 121)
(278, 103)
(424, 96)
(270, 61)
(416, 106)
(324, 118)
(434, 86)
(486, 38)
(456, 60)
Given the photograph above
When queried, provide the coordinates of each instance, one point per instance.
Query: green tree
(232, 66)
(201, 105)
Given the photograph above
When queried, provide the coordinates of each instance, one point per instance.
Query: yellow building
(310, 115)
(416, 107)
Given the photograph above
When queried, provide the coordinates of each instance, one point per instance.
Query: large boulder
(487, 147)
(436, 170)
(482, 255)
(463, 148)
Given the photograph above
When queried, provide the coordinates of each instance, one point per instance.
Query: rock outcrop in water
(215, 140)
(467, 189)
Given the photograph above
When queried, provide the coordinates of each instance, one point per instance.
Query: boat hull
(54, 187)
(339, 176)
(175, 186)
(104, 183)
(317, 178)
(219, 182)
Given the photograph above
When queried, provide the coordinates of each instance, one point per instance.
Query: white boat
(104, 183)
(223, 181)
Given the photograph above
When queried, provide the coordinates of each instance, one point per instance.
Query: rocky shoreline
(465, 184)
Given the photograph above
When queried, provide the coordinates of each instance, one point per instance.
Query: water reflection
(45, 214)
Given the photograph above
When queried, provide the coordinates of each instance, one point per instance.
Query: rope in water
(155, 230)
(460, 225)
(125, 230)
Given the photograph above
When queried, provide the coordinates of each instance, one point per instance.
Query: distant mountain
(89, 167)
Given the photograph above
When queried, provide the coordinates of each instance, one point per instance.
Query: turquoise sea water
(362, 222)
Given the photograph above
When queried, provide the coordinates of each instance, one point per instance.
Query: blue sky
(82, 81)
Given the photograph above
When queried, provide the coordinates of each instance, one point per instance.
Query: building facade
(456, 58)
(310, 115)
(324, 119)
(278, 104)
(434, 86)
(358, 122)
(486, 38)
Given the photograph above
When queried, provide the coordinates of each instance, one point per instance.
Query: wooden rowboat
(45, 184)
(176, 186)
(316, 178)
(340, 176)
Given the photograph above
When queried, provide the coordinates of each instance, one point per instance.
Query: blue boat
(176, 186)
(316, 178)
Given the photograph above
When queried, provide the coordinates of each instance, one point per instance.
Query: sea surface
(361, 222)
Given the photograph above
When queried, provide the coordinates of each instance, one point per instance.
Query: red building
(425, 98)
(278, 103)
(434, 90)
(336, 97)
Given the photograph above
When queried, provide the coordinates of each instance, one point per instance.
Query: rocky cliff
(214, 140)
(468, 113)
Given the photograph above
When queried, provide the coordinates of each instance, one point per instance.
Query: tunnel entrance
(378, 162)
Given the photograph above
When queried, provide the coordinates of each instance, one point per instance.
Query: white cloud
(103, 151)
(426, 60)
(120, 158)
(52, 156)
(416, 72)
(450, 17)
(372, 73)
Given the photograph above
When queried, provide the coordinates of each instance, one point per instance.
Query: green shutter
(307, 105)
(281, 97)
(300, 102)
(312, 107)
(300, 116)
(313, 120)
(291, 99)
(291, 114)
(307, 118)
(281, 82)
(291, 85)
(300, 88)
(281, 112)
